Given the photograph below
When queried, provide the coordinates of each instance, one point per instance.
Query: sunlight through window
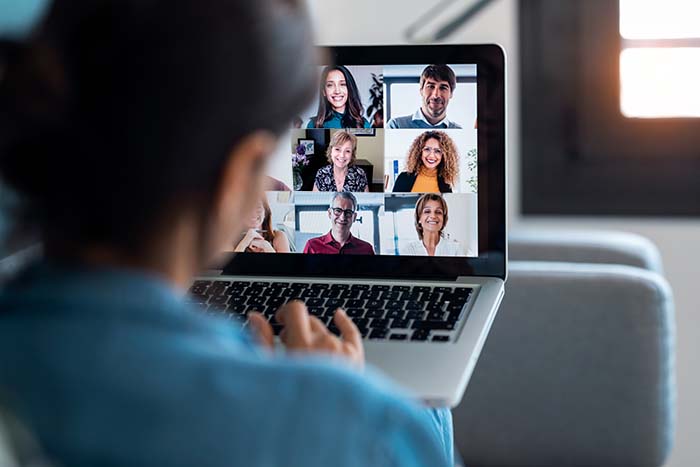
(660, 58)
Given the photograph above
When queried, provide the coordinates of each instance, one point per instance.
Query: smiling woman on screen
(341, 174)
(432, 165)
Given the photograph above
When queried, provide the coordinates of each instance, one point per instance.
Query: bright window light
(660, 82)
(659, 19)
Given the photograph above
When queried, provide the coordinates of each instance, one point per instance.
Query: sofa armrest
(575, 246)
(578, 369)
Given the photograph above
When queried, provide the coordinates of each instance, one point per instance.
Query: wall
(677, 239)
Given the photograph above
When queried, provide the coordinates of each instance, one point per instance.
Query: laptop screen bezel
(491, 176)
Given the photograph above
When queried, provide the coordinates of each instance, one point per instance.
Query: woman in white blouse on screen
(431, 219)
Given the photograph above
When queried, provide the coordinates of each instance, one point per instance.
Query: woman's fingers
(295, 319)
(352, 339)
(262, 329)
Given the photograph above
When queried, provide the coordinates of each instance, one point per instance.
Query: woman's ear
(240, 188)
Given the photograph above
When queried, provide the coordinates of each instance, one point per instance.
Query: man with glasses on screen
(437, 84)
(339, 241)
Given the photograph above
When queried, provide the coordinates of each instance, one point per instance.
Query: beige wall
(678, 240)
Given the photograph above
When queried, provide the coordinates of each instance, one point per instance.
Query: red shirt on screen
(327, 245)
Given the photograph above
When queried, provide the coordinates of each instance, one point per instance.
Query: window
(660, 58)
(609, 107)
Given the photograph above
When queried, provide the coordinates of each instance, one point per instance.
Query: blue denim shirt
(110, 367)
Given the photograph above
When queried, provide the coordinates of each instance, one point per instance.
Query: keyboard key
(335, 303)
(401, 288)
(355, 303)
(257, 301)
(390, 295)
(277, 328)
(360, 286)
(415, 314)
(430, 297)
(340, 286)
(361, 323)
(410, 296)
(398, 337)
(420, 288)
(276, 301)
(351, 293)
(203, 283)
(311, 293)
(413, 305)
(395, 313)
(379, 323)
(374, 313)
(374, 304)
(443, 289)
(435, 325)
(398, 323)
(441, 338)
(355, 312)
(378, 333)
(420, 335)
(315, 302)
(381, 287)
(436, 315)
(320, 285)
(259, 284)
(371, 294)
(331, 293)
(334, 329)
(298, 285)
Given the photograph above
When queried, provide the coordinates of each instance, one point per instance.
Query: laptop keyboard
(386, 312)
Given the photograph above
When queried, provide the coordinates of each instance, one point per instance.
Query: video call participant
(260, 236)
(437, 84)
(430, 221)
(339, 241)
(342, 171)
(339, 104)
(432, 165)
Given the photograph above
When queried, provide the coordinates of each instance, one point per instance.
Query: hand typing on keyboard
(306, 333)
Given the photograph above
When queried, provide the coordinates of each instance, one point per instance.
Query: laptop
(413, 245)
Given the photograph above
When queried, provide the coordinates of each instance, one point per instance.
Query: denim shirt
(110, 367)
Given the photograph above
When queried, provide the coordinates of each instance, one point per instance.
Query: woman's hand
(305, 333)
(260, 245)
(247, 239)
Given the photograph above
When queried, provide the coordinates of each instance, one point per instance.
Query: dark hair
(352, 118)
(439, 73)
(115, 109)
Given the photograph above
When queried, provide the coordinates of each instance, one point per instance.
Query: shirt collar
(328, 239)
(419, 116)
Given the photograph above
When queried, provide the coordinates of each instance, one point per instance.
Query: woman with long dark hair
(339, 104)
(130, 132)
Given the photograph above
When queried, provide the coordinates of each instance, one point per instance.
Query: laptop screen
(383, 162)
(400, 155)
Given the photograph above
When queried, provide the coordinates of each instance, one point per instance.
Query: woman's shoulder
(412, 248)
(404, 182)
(452, 247)
(325, 170)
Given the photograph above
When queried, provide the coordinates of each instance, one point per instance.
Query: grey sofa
(578, 367)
